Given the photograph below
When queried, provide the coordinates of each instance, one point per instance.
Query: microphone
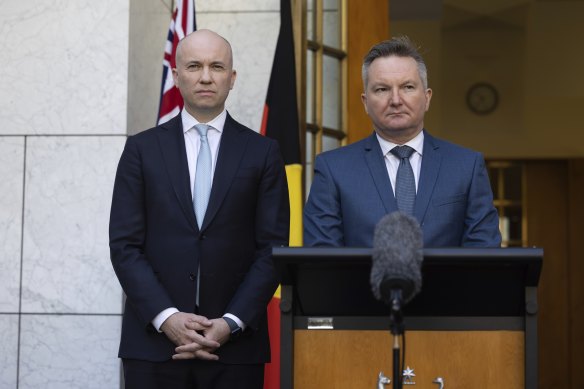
(397, 259)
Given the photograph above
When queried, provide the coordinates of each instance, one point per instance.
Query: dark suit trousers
(191, 374)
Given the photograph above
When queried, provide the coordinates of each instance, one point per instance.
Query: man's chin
(394, 132)
(206, 106)
(399, 125)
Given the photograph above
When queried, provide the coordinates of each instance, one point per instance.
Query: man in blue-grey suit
(356, 185)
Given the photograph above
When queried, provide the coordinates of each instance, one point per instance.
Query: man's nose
(395, 98)
(206, 75)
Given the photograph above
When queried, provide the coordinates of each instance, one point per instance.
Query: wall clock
(482, 98)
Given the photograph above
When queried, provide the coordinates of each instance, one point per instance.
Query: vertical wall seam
(18, 337)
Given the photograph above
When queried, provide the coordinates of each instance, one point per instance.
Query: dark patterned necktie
(405, 184)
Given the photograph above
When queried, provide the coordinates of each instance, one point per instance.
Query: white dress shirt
(193, 140)
(392, 162)
(193, 144)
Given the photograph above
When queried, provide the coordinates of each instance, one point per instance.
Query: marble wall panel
(11, 187)
(67, 66)
(66, 266)
(255, 6)
(253, 38)
(9, 347)
(69, 351)
(149, 21)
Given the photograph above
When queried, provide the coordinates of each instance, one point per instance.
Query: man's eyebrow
(196, 61)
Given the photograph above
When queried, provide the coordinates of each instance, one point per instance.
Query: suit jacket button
(203, 237)
(192, 276)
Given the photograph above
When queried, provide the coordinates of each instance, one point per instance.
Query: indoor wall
(526, 49)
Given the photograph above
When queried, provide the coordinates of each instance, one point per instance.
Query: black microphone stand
(396, 325)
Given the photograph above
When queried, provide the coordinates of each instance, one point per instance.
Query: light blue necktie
(203, 176)
(202, 188)
(405, 184)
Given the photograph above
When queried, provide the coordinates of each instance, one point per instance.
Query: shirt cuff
(235, 319)
(162, 316)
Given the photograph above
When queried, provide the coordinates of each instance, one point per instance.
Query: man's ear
(364, 101)
(428, 98)
(175, 77)
(233, 77)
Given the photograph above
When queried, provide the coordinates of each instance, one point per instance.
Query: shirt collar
(417, 143)
(189, 121)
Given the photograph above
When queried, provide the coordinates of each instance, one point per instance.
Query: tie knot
(402, 151)
(202, 129)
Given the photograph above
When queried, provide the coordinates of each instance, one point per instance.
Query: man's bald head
(211, 37)
(204, 73)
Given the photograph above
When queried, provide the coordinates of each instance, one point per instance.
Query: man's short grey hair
(400, 46)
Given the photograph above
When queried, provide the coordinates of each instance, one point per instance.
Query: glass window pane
(330, 143)
(494, 178)
(504, 229)
(331, 27)
(310, 20)
(331, 93)
(310, 70)
(514, 217)
(513, 182)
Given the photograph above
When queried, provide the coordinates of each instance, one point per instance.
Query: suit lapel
(231, 150)
(172, 144)
(375, 162)
(431, 161)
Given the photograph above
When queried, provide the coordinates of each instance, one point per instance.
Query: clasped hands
(196, 336)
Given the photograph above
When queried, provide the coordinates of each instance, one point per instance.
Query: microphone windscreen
(397, 257)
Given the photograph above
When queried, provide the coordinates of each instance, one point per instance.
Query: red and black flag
(280, 121)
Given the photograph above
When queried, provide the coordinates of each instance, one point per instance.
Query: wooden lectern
(474, 324)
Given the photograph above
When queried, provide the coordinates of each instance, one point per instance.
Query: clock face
(482, 98)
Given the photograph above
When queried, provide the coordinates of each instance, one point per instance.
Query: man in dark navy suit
(196, 266)
(446, 187)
